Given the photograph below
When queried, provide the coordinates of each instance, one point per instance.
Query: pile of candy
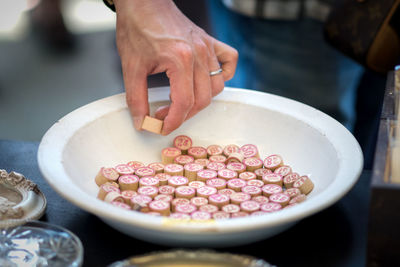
(201, 183)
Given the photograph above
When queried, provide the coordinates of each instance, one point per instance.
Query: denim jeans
(290, 59)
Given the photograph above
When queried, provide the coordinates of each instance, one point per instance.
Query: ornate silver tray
(20, 200)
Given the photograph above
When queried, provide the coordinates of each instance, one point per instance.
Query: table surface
(336, 236)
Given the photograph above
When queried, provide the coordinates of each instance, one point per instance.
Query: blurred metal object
(191, 258)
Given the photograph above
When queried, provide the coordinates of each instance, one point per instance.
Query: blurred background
(57, 55)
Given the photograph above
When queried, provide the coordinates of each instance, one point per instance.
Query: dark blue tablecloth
(336, 236)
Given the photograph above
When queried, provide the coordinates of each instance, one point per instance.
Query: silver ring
(215, 72)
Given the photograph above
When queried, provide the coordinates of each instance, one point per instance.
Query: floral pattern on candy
(124, 169)
(150, 191)
(270, 207)
(197, 152)
(209, 208)
(164, 197)
(261, 172)
(182, 142)
(217, 183)
(216, 166)
(110, 173)
(239, 197)
(206, 191)
(273, 161)
(226, 191)
(231, 208)
(214, 150)
(280, 198)
(247, 176)
(272, 178)
(218, 199)
(171, 152)
(173, 168)
(128, 179)
(166, 189)
(249, 151)
(178, 180)
(157, 166)
(283, 170)
(185, 208)
(135, 164)
(185, 191)
(236, 166)
(292, 192)
(261, 199)
(217, 158)
(236, 184)
(270, 189)
(229, 149)
(252, 190)
(206, 174)
(202, 162)
(227, 174)
(253, 162)
(183, 159)
(199, 201)
(145, 171)
(141, 200)
(194, 167)
(196, 184)
(149, 181)
(256, 182)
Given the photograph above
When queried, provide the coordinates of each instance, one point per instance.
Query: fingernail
(137, 122)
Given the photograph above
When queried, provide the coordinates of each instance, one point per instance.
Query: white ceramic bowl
(101, 134)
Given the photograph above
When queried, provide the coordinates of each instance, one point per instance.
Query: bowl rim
(51, 148)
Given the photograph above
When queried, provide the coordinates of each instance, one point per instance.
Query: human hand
(154, 36)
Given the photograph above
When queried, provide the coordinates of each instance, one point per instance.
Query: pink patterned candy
(149, 181)
(145, 171)
(250, 206)
(124, 169)
(185, 191)
(236, 184)
(252, 190)
(183, 159)
(218, 158)
(174, 169)
(150, 191)
(270, 189)
(205, 175)
(209, 208)
(219, 200)
(206, 191)
(216, 166)
(166, 190)
(158, 167)
(236, 166)
(213, 150)
(185, 208)
(227, 174)
(270, 207)
(176, 181)
(217, 183)
(249, 151)
(273, 161)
